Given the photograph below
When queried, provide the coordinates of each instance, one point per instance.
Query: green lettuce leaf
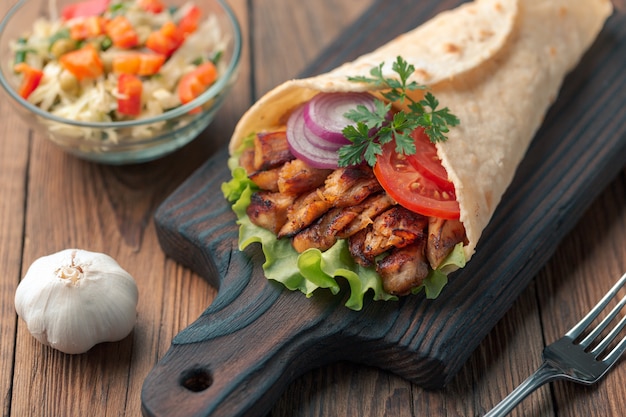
(317, 269)
(438, 278)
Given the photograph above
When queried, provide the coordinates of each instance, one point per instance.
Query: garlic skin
(74, 299)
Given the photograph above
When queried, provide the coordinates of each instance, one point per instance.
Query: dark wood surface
(50, 201)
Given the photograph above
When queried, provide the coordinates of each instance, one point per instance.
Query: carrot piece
(138, 63)
(150, 64)
(130, 88)
(31, 77)
(165, 40)
(193, 84)
(121, 32)
(83, 63)
(88, 27)
(190, 21)
(154, 6)
(126, 64)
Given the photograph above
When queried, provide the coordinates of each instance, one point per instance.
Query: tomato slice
(130, 89)
(427, 162)
(165, 40)
(189, 22)
(87, 27)
(193, 84)
(30, 81)
(84, 9)
(121, 32)
(412, 189)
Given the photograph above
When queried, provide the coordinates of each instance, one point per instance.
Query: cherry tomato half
(412, 189)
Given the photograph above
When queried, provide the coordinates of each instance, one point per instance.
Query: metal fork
(573, 359)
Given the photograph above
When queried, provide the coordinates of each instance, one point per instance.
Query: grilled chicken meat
(323, 234)
(368, 210)
(404, 268)
(356, 243)
(304, 211)
(269, 210)
(344, 187)
(272, 167)
(394, 228)
(271, 150)
(443, 235)
(315, 207)
(266, 180)
(296, 177)
(341, 223)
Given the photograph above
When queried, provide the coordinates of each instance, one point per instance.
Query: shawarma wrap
(496, 64)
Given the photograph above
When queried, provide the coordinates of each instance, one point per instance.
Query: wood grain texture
(111, 209)
(426, 342)
(13, 163)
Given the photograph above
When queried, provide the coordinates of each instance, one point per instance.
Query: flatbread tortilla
(496, 64)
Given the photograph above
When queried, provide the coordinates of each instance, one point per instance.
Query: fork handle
(544, 374)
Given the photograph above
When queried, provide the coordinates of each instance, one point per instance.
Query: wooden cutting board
(256, 337)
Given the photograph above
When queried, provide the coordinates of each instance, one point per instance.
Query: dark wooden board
(256, 337)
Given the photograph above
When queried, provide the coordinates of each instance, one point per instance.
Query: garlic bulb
(74, 299)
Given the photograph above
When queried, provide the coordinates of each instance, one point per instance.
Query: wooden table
(50, 201)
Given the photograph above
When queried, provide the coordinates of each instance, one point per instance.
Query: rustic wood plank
(507, 355)
(14, 150)
(571, 284)
(107, 210)
(288, 37)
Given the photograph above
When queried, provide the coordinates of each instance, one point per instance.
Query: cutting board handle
(256, 337)
(237, 358)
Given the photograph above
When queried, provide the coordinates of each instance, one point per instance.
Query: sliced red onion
(315, 130)
(324, 113)
(307, 146)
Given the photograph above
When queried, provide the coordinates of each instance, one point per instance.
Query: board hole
(197, 379)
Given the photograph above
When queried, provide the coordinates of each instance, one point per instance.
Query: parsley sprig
(375, 128)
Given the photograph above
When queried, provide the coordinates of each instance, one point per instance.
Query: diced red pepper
(154, 6)
(87, 27)
(190, 21)
(193, 84)
(121, 32)
(130, 88)
(84, 9)
(166, 40)
(138, 63)
(83, 63)
(31, 77)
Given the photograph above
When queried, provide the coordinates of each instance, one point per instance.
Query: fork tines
(578, 329)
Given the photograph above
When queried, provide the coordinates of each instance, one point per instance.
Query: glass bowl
(127, 141)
